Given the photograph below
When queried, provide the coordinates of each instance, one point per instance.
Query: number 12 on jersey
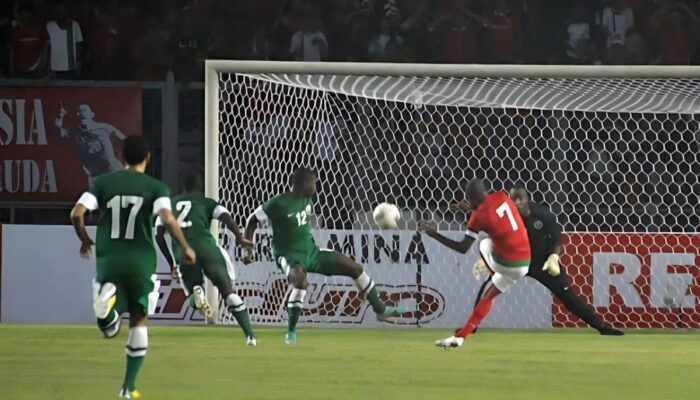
(504, 210)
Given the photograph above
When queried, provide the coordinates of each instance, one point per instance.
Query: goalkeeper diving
(544, 234)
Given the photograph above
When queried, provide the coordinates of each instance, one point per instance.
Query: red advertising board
(53, 140)
(634, 280)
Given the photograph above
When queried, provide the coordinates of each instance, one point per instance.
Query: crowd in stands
(143, 40)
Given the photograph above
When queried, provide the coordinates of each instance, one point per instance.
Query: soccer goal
(612, 151)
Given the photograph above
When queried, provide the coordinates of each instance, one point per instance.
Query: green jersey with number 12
(290, 218)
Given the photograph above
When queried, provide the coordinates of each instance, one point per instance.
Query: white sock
(137, 344)
(235, 303)
(364, 283)
(296, 298)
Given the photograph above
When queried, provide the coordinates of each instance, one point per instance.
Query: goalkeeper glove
(479, 269)
(552, 265)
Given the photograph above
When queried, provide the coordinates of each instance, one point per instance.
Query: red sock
(480, 312)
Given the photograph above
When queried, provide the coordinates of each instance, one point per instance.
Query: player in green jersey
(296, 253)
(128, 202)
(194, 213)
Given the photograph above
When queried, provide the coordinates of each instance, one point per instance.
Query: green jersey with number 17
(129, 202)
(290, 218)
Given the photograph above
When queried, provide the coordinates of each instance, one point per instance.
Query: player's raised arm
(59, 121)
(170, 223)
(460, 246)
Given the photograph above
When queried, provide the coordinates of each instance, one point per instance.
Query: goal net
(613, 152)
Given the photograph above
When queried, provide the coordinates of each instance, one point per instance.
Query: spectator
(187, 50)
(309, 43)
(636, 52)
(579, 47)
(66, 42)
(377, 47)
(459, 37)
(150, 54)
(499, 34)
(260, 47)
(103, 45)
(28, 44)
(615, 22)
(670, 38)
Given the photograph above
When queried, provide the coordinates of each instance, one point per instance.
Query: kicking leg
(193, 283)
(345, 266)
(501, 280)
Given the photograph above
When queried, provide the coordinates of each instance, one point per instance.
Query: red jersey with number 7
(498, 216)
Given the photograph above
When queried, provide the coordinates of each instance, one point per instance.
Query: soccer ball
(386, 216)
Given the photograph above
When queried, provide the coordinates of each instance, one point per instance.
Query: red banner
(54, 140)
(634, 280)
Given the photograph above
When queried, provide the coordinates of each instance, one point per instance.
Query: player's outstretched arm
(59, 121)
(462, 246)
(170, 223)
(227, 220)
(77, 216)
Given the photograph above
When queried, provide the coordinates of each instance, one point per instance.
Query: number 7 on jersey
(504, 210)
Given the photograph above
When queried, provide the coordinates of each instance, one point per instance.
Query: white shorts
(503, 277)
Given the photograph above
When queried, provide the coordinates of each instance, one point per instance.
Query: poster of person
(54, 141)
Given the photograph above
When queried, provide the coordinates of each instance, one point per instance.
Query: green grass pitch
(73, 362)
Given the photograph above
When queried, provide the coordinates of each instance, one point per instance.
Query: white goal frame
(215, 67)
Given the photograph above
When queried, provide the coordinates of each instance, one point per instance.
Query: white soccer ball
(386, 216)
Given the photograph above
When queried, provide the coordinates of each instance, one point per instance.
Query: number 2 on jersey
(502, 210)
(116, 204)
(184, 208)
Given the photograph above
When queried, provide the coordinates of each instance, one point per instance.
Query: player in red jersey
(506, 250)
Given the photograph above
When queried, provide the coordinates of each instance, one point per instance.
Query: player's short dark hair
(192, 182)
(301, 175)
(135, 150)
(520, 186)
(475, 188)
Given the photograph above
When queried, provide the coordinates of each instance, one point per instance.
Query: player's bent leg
(502, 278)
(105, 297)
(193, 283)
(340, 264)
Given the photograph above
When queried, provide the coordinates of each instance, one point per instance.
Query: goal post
(612, 150)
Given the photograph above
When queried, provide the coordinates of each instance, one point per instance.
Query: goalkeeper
(544, 234)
